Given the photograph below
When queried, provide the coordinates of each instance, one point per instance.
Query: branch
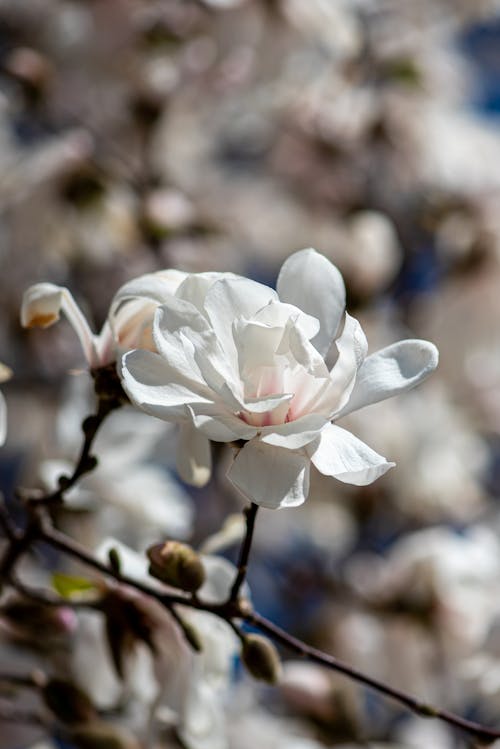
(422, 709)
(86, 461)
(41, 529)
(250, 516)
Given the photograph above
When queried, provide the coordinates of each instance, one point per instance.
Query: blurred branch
(86, 461)
(424, 710)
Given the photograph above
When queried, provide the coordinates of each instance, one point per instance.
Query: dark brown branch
(86, 461)
(250, 516)
(318, 656)
(40, 528)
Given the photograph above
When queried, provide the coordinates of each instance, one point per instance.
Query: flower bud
(100, 735)
(176, 564)
(68, 703)
(261, 658)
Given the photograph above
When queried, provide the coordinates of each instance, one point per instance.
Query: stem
(318, 656)
(250, 515)
(67, 545)
(86, 461)
(41, 529)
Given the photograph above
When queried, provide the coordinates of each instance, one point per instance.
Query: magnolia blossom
(241, 363)
(129, 320)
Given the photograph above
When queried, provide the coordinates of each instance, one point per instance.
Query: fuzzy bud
(261, 658)
(176, 564)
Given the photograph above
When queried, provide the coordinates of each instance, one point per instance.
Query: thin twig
(40, 529)
(412, 703)
(250, 515)
(86, 462)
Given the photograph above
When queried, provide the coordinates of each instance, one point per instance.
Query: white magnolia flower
(129, 320)
(238, 361)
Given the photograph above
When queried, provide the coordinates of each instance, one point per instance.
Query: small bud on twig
(176, 564)
(261, 658)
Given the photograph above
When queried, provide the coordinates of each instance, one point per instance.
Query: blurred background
(224, 134)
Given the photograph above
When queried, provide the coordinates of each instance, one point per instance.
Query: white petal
(294, 434)
(303, 351)
(270, 476)
(327, 395)
(352, 347)
(41, 307)
(339, 453)
(194, 459)
(391, 371)
(195, 287)
(153, 287)
(156, 387)
(230, 298)
(310, 281)
(178, 323)
(132, 309)
(279, 313)
(3, 420)
(218, 424)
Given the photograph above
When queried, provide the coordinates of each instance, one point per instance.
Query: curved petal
(352, 347)
(220, 425)
(194, 458)
(339, 453)
(196, 286)
(391, 371)
(294, 434)
(279, 314)
(311, 282)
(41, 307)
(270, 476)
(178, 324)
(156, 387)
(230, 298)
(153, 287)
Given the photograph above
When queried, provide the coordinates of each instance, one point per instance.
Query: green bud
(68, 703)
(176, 564)
(261, 658)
